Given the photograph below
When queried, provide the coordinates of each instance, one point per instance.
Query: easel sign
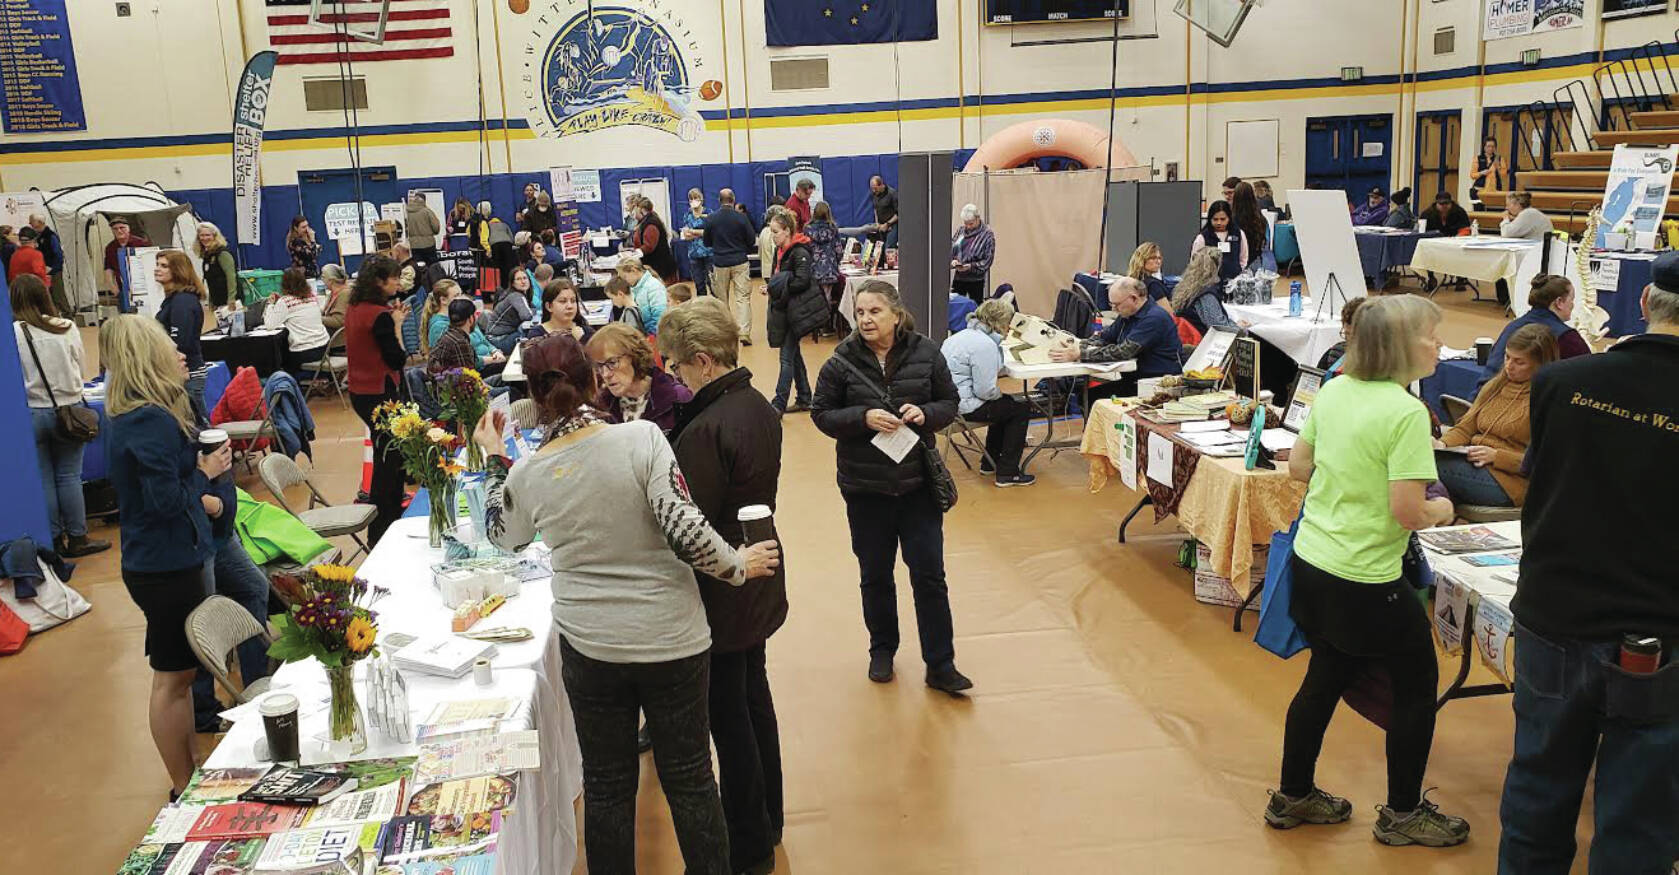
(1328, 249)
(1241, 368)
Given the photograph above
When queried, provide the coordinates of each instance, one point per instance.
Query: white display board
(1635, 195)
(144, 294)
(17, 206)
(656, 190)
(1252, 149)
(434, 199)
(1327, 249)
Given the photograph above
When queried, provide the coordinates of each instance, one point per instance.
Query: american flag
(415, 29)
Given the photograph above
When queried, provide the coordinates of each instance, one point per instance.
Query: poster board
(17, 206)
(144, 294)
(1211, 351)
(1514, 18)
(1328, 251)
(656, 190)
(585, 186)
(1241, 369)
(1252, 148)
(1635, 195)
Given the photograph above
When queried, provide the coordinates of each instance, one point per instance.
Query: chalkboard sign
(1241, 367)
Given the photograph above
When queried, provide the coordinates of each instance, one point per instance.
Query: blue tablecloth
(1458, 377)
(96, 460)
(1380, 253)
(1626, 315)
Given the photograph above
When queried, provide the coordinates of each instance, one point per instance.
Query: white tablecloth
(1486, 259)
(542, 836)
(1052, 370)
(1305, 337)
(853, 282)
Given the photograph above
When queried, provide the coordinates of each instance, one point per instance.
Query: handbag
(54, 603)
(939, 481)
(1277, 630)
(76, 422)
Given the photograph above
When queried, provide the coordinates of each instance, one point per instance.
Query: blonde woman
(1197, 298)
(1145, 266)
(1367, 454)
(221, 275)
(182, 315)
(161, 481)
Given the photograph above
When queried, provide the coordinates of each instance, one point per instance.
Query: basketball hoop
(352, 21)
(1220, 19)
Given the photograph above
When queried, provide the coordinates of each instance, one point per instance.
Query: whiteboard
(656, 190)
(1252, 149)
(1327, 248)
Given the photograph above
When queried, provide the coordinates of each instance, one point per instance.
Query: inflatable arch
(1043, 138)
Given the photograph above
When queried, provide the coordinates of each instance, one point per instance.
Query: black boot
(76, 546)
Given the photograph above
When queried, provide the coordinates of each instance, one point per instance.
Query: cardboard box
(1210, 589)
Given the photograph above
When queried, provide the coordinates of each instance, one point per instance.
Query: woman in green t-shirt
(1368, 453)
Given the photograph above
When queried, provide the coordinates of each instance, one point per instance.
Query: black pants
(880, 524)
(1005, 440)
(606, 699)
(974, 289)
(425, 255)
(1351, 625)
(1502, 290)
(748, 741)
(388, 478)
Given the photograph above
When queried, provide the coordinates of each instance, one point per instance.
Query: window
(327, 95)
(1445, 41)
(798, 74)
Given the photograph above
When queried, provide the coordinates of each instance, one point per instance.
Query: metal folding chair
(214, 628)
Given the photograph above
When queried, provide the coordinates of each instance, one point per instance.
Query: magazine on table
(172, 824)
(291, 786)
(465, 796)
(471, 756)
(243, 820)
(351, 845)
(210, 786)
(358, 807)
(478, 859)
(413, 836)
(229, 857)
(1465, 539)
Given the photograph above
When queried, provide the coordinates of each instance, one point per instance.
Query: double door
(1351, 153)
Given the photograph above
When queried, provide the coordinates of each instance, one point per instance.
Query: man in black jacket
(729, 235)
(728, 443)
(1605, 430)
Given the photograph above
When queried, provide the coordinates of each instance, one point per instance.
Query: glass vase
(474, 453)
(344, 720)
(442, 512)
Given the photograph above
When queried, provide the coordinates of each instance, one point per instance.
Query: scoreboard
(1039, 11)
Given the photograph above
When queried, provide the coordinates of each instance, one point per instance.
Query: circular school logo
(637, 63)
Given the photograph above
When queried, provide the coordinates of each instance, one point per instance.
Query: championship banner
(40, 92)
(250, 110)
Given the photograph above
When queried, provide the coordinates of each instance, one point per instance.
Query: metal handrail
(1574, 208)
(1566, 96)
(1672, 81)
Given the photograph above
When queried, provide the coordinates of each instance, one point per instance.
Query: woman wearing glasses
(631, 386)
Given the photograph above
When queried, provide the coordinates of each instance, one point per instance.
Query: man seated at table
(1374, 211)
(1144, 332)
(1550, 302)
(1400, 215)
(454, 349)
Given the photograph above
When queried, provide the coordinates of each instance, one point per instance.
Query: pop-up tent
(81, 216)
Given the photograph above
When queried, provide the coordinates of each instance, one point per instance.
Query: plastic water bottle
(1294, 302)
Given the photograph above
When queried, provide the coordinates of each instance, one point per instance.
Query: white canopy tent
(81, 216)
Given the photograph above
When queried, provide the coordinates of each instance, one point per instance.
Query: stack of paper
(445, 655)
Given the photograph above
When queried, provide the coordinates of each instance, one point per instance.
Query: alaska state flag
(834, 22)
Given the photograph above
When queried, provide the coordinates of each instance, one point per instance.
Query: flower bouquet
(333, 622)
(428, 456)
(464, 398)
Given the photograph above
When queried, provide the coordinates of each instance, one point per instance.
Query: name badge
(1224, 246)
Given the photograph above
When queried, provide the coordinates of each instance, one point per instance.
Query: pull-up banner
(39, 90)
(250, 112)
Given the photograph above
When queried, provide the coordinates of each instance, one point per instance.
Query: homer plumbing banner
(1512, 18)
(250, 110)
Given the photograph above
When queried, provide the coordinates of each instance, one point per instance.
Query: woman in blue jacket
(163, 486)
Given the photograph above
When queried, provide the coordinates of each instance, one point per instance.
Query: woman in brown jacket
(1496, 430)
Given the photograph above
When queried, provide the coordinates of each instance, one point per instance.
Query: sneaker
(745, 341)
(985, 466)
(880, 668)
(1284, 812)
(798, 406)
(1016, 480)
(948, 680)
(1424, 825)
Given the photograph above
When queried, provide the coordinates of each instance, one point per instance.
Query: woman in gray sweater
(612, 507)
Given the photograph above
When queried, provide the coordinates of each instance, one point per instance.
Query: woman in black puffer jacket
(797, 308)
(882, 378)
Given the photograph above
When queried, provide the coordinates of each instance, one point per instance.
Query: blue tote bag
(1277, 631)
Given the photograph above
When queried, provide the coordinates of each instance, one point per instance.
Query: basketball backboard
(363, 20)
(1221, 19)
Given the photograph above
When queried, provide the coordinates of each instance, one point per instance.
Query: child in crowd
(623, 304)
(681, 293)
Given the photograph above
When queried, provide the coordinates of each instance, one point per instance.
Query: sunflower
(450, 468)
(359, 635)
(334, 573)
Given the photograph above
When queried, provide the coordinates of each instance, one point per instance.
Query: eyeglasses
(608, 365)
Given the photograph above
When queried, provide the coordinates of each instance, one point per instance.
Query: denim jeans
(606, 698)
(1467, 484)
(235, 576)
(748, 740)
(701, 269)
(1575, 707)
(195, 394)
(880, 524)
(504, 342)
(793, 375)
(61, 475)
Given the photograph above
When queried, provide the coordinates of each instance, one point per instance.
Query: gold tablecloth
(1225, 506)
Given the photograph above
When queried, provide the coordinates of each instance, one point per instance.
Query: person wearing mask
(122, 245)
(1495, 431)
(300, 244)
(182, 315)
(646, 288)
(1145, 333)
(975, 358)
(1596, 569)
(972, 250)
(52, 251)
(624, 309)
(27, 259)
(825, 251)
(460, 225)
(161, 481)
(1489, 171)
(1399, 214)
(799, 203)
(1550, 302)
(1331, 361)
(693, 231)
(560, 313)
(541, 216)
(797, 308)
(652, 239)
(373, 344)
(50, 352)
(423, 228)
(1221, 234)
(454, 348)
(883, 377)
(435, 319)
(884, 200)
(297, 310)
(1367, 455)
(1255, 228)
(337, 303)
(1227, 188)
(1196, 299)
(1374, 210)
(631, 387)
(1146, 262)
(632, 625)
(727, 440)
(728, 234)
(221, 275)
(512, 311)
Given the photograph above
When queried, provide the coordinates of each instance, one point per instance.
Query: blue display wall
(24, 512)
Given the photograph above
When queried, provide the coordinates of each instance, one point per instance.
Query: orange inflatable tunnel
(1048, 138)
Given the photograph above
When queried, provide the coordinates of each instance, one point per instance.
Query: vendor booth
(81, 216)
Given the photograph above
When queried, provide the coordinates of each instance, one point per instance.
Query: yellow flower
(408, 426)
(469, 372)
(449, 467)
(359, 635)
(334, 573)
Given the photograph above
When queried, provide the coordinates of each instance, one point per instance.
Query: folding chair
(962, 435)
(214, 628)
(524, 414)
(322, 517)
(251, 432)
(334, 367)
(1479, 513)
(1456, 408)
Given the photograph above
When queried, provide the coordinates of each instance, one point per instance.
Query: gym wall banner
(589, 68)
(1512, 18)
(250, 112)
(40, 92)
(1629, 8)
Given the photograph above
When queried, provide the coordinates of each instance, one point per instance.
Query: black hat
(26, 234)
(460, 310)
(1377, 191)
(1664, 272)
(1444, 197)
(118, 220)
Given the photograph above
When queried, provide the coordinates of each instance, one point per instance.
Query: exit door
(1352, 154)
(328, 200)
(1439, 140)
